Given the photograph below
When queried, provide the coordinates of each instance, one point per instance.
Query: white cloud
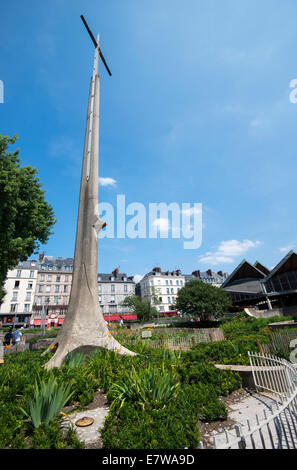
(286, 249)
(107, 182)
(137, 278)
(227, 251)
(162, 224)
(191, 211)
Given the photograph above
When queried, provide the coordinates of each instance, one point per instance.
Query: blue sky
(197, 110)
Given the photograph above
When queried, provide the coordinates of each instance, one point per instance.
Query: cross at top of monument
(96, 44)
(98, 54)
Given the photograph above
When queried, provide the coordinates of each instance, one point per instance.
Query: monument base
(87, 338)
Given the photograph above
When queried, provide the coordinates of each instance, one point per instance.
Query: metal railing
(277, 378)
(171, 343)
(279, 341)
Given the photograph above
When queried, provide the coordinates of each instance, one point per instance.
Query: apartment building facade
(161, 285)
(53, 288)
(164, 285)
(209, 277)
(20, 287)
(113, 288)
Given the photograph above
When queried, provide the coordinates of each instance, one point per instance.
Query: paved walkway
(249, 409)
(88, 434)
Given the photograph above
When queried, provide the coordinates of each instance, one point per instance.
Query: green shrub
(149, 386)
(173, 427)
(74, 359)
(48, 400)
(52, 437)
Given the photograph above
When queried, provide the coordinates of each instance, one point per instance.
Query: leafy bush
(149, 386)
(173, 427)
(51, 437)
(156, 412)
(74, 359)
(48, 399)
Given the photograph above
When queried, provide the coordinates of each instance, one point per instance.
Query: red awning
(37, 322)
(61, 321)
(129, 317)
(111, 318)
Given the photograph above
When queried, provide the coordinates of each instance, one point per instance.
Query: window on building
(30, 285)
(100, 299)
(170, 282)
(47, 300)
(16, 284)
(14, 296)
(112, 288)
(58, 278)
(112, 298)
(49, 277)
(31, 273)
(13, 307)
(168, 298)
(48, 288)
(27, 308)
(56, 299)
(99, 288)
(39, 300)
(28, 296)
(42, 277)
(57, 288)
(125, 288)
(40, 288)
(172, 291)
(66, 278)
(181, 283)
(65, 288)
(19, 273)
(166, 282)
(177, 283)
(167, 291)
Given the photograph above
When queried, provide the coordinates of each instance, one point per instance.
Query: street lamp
(44, 314)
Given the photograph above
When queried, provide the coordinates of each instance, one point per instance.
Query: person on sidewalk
(16, 336)
(8, 338)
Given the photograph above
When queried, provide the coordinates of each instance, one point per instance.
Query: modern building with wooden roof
(257, 288)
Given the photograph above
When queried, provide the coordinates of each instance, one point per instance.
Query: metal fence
(198, 335)
(279, 342)
(276, 379)
(172, 343)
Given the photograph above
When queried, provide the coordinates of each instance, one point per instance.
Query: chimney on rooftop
(40, 257)
(115, 272)
(209, 272)
(196, 273)
(157, 270)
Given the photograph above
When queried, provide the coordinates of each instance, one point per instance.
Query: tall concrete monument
(84, 325)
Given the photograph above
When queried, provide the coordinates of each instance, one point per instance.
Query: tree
(142, 308)
(202, 300)
(26, 218)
